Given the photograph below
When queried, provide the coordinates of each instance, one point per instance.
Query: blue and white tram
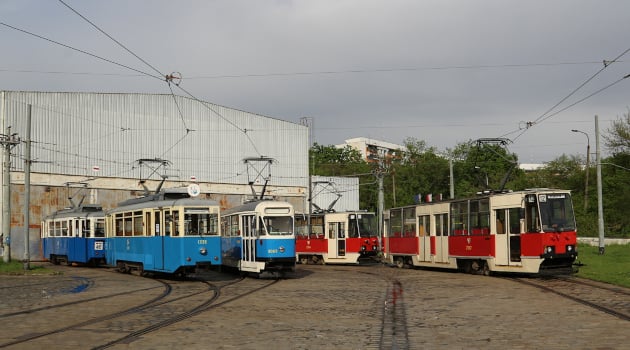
(259, 237)
(167, 232)
(75, 235)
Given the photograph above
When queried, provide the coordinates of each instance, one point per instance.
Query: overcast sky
(441, 71)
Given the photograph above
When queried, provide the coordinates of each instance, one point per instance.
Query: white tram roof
(255, 205)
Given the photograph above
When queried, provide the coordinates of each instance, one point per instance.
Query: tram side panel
(348, 237)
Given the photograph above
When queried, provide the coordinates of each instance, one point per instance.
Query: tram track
(167, 289)
(180, 300)
(612, 300)
(394, 333)
(203, 307)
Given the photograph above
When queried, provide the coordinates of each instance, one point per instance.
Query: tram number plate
(98, 245)
(202, 241)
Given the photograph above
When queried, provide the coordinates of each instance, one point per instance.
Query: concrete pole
(381, 201)
(600, 206)
(6, 185)
(452, 180)
(27, 191)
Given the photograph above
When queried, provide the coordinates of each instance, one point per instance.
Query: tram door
(515, 226)
(441, 237)
(508, 236)
(501, 237)
(156, 228)
(336, 239)
(427, 245)
(248, 248)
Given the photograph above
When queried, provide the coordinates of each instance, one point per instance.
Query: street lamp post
(588, 158)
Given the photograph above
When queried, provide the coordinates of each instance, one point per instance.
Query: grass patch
(17, 268)
(612, 267)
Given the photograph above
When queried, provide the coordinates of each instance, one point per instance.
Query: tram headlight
(550, 249)
(569, 248)
(362, 248)
(203, 251)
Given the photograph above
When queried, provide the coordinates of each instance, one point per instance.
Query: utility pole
(600, 206)
(379, 176)
(452, 179)
(27, 191)
(8, 141)
(308, 122)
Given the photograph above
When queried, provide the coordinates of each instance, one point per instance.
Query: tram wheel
(399, 263)
(303, 261)
(122, 267)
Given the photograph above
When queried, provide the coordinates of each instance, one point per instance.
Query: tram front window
(362, 225)
(277, 225)
(556, 212)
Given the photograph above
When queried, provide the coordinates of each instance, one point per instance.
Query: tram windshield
(276, 225)
(362, 225)
(199, 221)
(556, 212)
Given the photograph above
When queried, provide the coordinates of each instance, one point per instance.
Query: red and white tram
(346, 237)
(521, 232)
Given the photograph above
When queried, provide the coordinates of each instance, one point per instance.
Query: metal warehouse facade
(106, 143)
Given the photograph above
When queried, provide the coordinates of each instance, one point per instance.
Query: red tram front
(336, 238)
(523, 232)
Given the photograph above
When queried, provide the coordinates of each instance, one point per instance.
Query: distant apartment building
(374, 150)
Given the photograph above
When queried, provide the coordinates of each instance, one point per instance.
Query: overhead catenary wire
(109, 36)
(81, 51)
(167, 79)
(546, 115)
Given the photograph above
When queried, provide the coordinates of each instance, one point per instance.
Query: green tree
(618, 135)
(420, 170)
(347, 161)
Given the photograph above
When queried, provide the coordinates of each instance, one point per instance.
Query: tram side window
(234, 226)
(301, 226)
(137, 223)
(120, 227)
(479, 217)
(176, 223)
(409, 222)
(459, 218)
(395, 220)
(56, 229)
(168, 222)
(64, 228)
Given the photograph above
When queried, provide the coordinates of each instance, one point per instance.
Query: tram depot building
(103, 148)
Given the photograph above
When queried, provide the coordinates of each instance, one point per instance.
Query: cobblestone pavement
(331, 307)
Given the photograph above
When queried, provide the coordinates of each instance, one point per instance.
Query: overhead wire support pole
(27, 191)
(600, 205)
(8, 141)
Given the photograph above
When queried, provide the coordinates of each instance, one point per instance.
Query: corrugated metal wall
(74, 132)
